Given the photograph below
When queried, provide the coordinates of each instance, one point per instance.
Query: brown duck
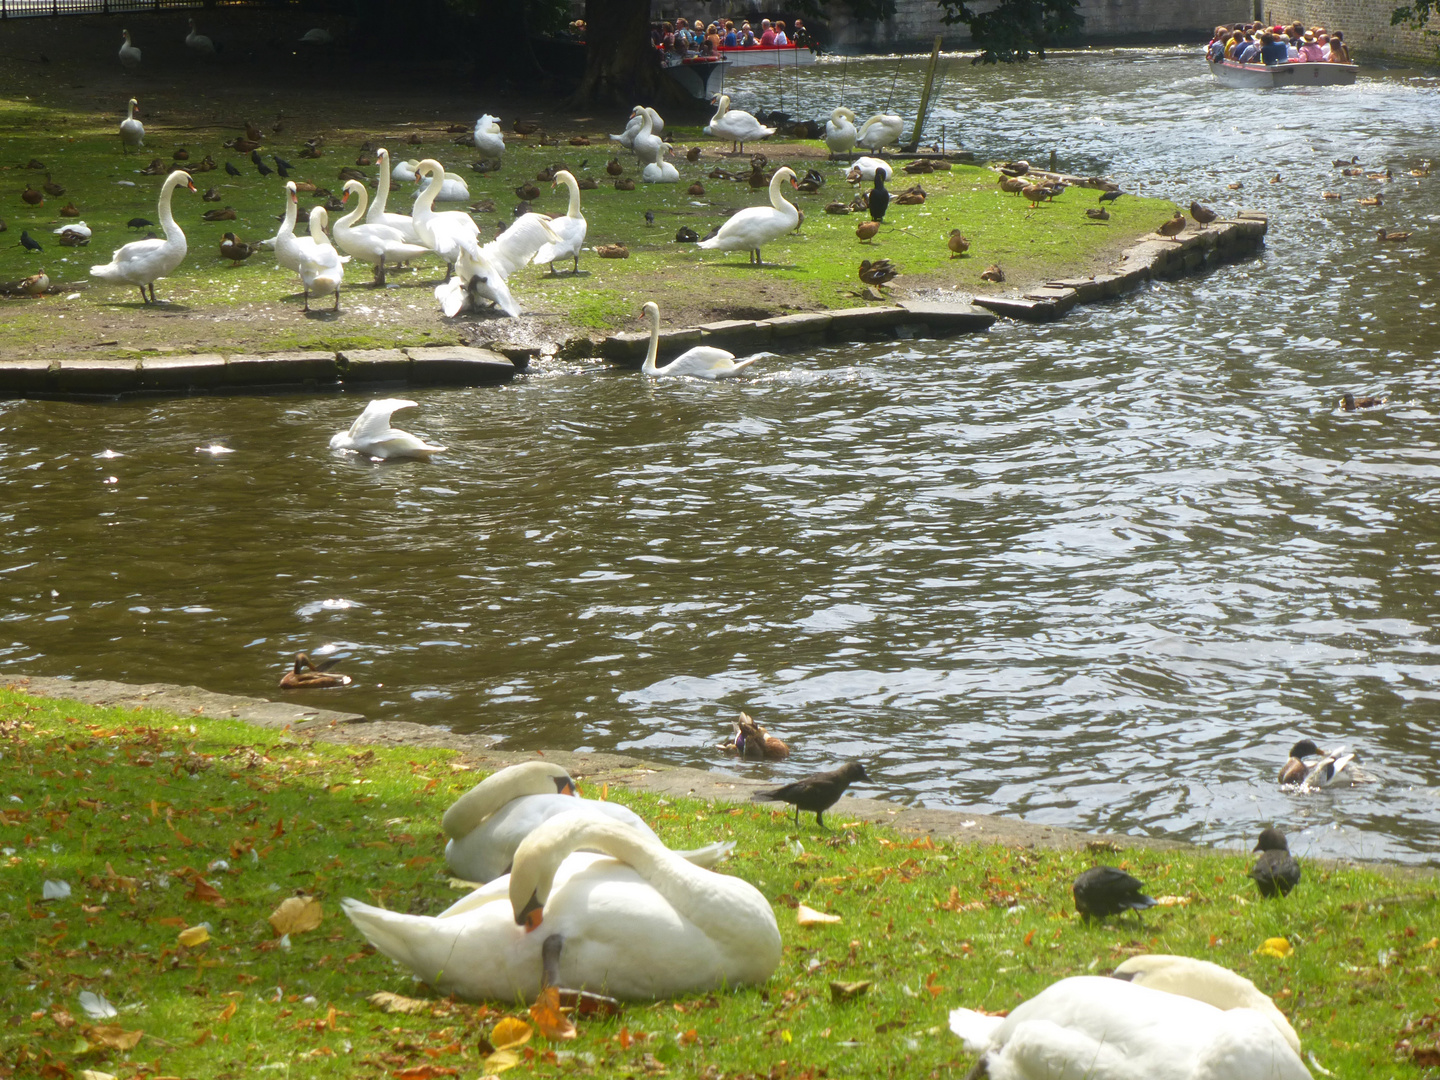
(180, 154)
(1392, 237)
(1374, 200)
(612, 251)
(1203, 214)
(614, 168)
(211, 195)
(205, 164)
(70, 210)
(624, 185)
(527, 191)
(1097, 213)
(866, 230)
(753, 743)
(957, 244)
(837, 208)
(1010, 184)
(308, 675)
(1174, 227)
(697, 189)
(226, 214)
(52, 188)
(878, 273)
(992, 273)
(32, 196)
(235, 249)
(914, 197)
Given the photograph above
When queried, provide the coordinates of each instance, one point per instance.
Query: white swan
(449, 233)
(322, 268)
(1092, 1028)
(198, 42)
(840, 133)
(145, 261)
(1207, 982)
(404, 171)
(660, 171)
(701, 362)
(371, 243)
(632, 126)
(758, 225)
(520, 243)
(737, 125)
(285, 242)
(378, 214)
(880, 130)
(317, 36)
(489, 139)
(372, 435)
(132, 132)
(129, 54)
(483, 283)
(863, 170)
(79, 228)
(453, 189)
(647, 144)
(570, 228)
(648, 925)
(488, 822)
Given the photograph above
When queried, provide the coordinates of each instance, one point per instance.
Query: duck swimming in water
(1307, 776)
(308, 675)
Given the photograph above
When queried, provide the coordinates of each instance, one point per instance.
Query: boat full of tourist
(1253, 56)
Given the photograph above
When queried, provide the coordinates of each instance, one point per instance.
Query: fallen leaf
(1276, 947)
(195, 935)
(510, 1031)
(549, 1020)
(204, 892)
(95, 1074)
(808, 916)
(385, 1001)
(1172, 901)
(296, 914)
(425, 1072)
(112, 1037)
(848, 991)
(502, 1059)
(96, 1007)
(226, 1013)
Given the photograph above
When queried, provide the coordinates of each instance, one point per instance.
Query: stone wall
(1366, 24)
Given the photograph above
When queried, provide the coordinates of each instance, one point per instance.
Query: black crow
(879, 200)
(1104, 890)
(818, 792)
(1275, 872)
(1110, 196)
(27, 243)
(229, 168)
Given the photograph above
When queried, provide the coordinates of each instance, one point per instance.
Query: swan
(520, 243)
(145, 261)
(317, 36)
(632, 126)
(371, 243)
(129, 54)
(489, 140)
(198, 42)
(404, 171)
(647, 144)
(78, 228)
(449, 233)
(701, 362)
(660, 171)
(644, 923)
(840, 133)
(377, 214)
(453, 189)
(483, 282)
(757, 225)
(570, 228)
(322, 268)
(488, 822)
(1093, 1028)
(863, 170)
(1324, 772)
(737, 125)
(132, 132)
(1207, 982)
(285, 242)
(882, 129)
(372, 435)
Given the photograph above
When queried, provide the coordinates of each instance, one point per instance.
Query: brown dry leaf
(113, 1037)
(95, 1074)
(385, 1001)
(510, 1032)
(1172, 901)
(549, 1020)
(848, 991)
(226, 1012)
(501, 1060)
(295, 915)
(808, 916)
(195, 935)
(204, 892)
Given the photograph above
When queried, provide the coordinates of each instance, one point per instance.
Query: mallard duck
(308, 675)
(866, 230)
(1203, 214)
(32, 196)
(1015, 168)
(1341, 163)
(614, 168)
(234, 249)
(242, 146)
(686, 235)
(612, 251)
(1174, 227)
(957, 244)
(527, 191)
(1352, 172)
(205, 164)
(1329, 195)
(579, 140)
(155, 168)
(1102, 891)
(35, 284)
(1374, 200)
(1424, 170)
(1323, 772)
(1275, 872)
(525, 127)
(212, 194)
(1277, 179)
(224, 214)
(878, 273)
(1392, 237)
(753, 743)
(51, 188)
(1383, 177)
(70, 210)
(624, 184)
(915, 196)
(920, 167)
(1350, 403)
(1235, 186)
(180, 154)
(813, 181)
(77, 235)
(693, 154)
(349, 173)
(1037, 193)
(992, 273)
(837, 208)
(311, 152)
(364, 159)
(1097, 213)
(696, 189)
(1012, 185)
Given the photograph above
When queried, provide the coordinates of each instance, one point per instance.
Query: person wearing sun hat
(1310, 51)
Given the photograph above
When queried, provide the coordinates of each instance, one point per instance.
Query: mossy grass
(257, 305)
(160, 823)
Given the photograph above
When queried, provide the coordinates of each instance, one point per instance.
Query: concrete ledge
(175, 373)
(458, 365)
(281, 369)
(785, 327)
(737, 335)
(25, 377)
(854, 321)
(945, 319)
(106, 378)
(374, 365)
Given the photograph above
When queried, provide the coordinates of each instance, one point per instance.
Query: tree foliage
(1013, 29)
(1415, 15)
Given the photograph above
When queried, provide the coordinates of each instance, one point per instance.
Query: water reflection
(1100, 573)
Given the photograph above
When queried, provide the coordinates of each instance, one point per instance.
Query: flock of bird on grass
(581, 896)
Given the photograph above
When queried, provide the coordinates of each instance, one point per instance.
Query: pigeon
(1104, 890)
(1275, 872)
(818, 792)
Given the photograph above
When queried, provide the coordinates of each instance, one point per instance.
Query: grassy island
(145, 856)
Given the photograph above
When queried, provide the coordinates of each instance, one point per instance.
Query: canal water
(1098, 574)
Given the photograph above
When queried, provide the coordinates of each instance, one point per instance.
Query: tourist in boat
(767, 34)
(1272, 51)
(1249, 53)
(747, 36)
(1216, 49)
(1310, 51)
(780, 36)
(731, 37)
(1339, 52)
(799, 35)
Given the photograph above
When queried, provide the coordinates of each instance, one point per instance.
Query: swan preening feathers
(372, 435)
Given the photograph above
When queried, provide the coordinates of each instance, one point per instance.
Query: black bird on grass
(259, 163)
(282, 166)
(1275, 872)
(818, 792)
(649, 217)
(139, 223)
(1110, 196)
(879, 200)
(230, 168)
(1104, 890)
(28, 243)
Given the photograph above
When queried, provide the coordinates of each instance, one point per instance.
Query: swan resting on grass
(372, 435)
(637, 922)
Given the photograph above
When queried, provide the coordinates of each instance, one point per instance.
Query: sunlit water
(1099, 574)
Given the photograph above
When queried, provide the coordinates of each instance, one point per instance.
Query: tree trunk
(621, 67)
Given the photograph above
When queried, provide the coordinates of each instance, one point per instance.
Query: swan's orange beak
(533, 920)
(344, 198)
(568, 789)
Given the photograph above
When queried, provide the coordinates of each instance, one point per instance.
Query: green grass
(133, 808)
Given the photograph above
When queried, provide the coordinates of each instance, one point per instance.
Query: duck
(143, 262)
(1173, 227)
(1310, 776)
(1015, 168)
(660, 171)
(70, 210)
(211, 194)
(879, 131)
(1374, 200)
(132, 131)
(957, 244)
(879, 273)
(1037, 193)
(224, 214)
(485, 825)
(865, 169)
(695, 190)
(920, 167)
(322, 268)
(636, 922)
(204, 165)
(1114, 1029)
(1201, 213)
(686, 235)
(1012, 185)
(914, 196)
(449, 233)
(1097, 213)
(1422, 171)
(75, 234)
(371, 243)
(235, 249)
(32, 196)
(737, 125)
(198, 43)
(527, 191)
(1383, 177)
(51, 188)
(1341, 163)
(1385, 236)
(489, 138)
(612, 251)
(840, 131)
(753, 743)
(701, 362)
(1350, 403)
(35, 284)
(992, 273)
(372, 436)
(1275, 872)
(811, 182)
(242, 145)
(308, 675)
(1102, 891)
(129, 54)
(866, 230)
(1207, 982)
(571, 228)
(633, 125)
(756, 226)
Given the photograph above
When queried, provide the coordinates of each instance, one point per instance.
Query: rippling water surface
(1099, 574)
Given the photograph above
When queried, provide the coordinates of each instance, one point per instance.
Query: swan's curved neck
(778, 200)
(574, 187)
(167, 219)
(130, 110)
(470, 811)
(319, 218)
(649, 368)
(647, 123)
(362, 200)
(721, 107)
(434, 177)
(382, 189)
(292, 209)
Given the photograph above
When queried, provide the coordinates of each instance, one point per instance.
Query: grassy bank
(214, 306)
(178, 839)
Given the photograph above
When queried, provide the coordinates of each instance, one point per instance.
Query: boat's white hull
(761, 56)
(1269, 76)
(700, 78)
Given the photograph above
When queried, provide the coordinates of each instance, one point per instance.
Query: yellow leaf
(296, 915)
(510, 1031)
(501, 1060)
(226, 1012)
(112, 1037)
(808, 916)
(195, 935)
(95, 1074)
(845, 991)
(1276, 947)
(385, 1001)
(551, 1022)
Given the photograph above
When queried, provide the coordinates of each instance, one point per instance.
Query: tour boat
(701, 76)
(1268, 76)
(767, 55)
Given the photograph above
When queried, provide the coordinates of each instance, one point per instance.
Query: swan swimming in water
(637, 922)
(372, 435)
(701, 362)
